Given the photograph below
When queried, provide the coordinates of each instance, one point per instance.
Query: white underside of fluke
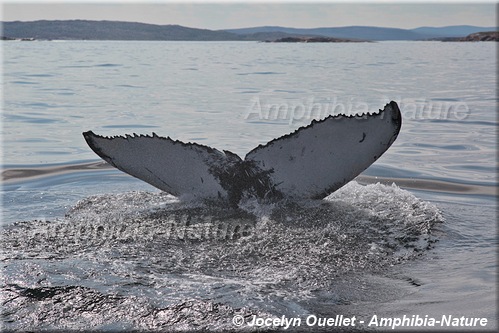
(309, 163)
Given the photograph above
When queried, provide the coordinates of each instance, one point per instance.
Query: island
(315, 39)
(484, 36)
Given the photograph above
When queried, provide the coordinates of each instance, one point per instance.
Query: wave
(47, 175)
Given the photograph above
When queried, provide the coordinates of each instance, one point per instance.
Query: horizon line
(250, 27)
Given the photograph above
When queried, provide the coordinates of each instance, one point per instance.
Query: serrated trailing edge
(328, 118)
(309, 163)
(90, 134)
(295, 132)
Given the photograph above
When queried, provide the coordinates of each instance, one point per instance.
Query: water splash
(141, 260)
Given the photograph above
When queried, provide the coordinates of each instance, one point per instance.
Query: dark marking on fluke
(309, 163)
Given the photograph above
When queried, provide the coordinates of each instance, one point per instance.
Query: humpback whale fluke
(309, 163)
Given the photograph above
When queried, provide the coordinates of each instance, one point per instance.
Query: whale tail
(310, 163)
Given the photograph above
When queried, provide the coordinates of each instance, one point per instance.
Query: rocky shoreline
(485, 36)
(315, 39)
(21, 39)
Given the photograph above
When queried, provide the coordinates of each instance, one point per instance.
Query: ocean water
(86, 247)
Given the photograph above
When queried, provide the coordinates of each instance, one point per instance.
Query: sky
(239, 14)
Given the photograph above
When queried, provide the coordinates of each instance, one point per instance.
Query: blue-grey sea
(87, 247)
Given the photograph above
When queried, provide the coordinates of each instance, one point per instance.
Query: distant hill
(109, 30)
(115, 30)
(371, 33)
(353, 32)
(452, 31)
